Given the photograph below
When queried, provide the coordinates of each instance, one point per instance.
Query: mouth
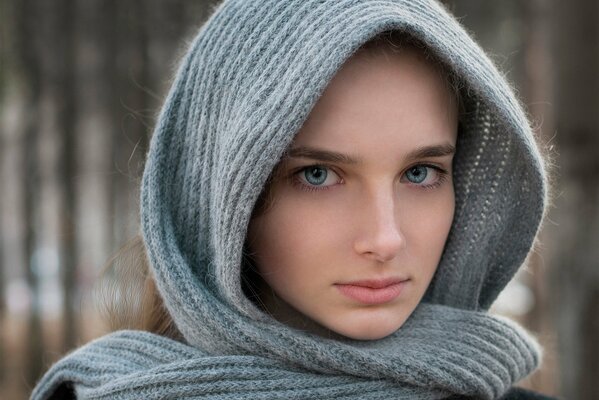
(373, 291)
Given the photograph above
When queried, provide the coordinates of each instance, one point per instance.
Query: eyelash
(301, 185)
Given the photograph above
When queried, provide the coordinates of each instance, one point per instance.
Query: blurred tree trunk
(575, 271)
(2, 276)
(537, 90)
(95, 125)
(29, 64)
(3, 318)
(3, 81)
(64, 83)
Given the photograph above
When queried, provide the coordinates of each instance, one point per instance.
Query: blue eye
(417, 174)
(315, 175)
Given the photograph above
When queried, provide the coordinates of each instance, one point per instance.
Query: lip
(373, 291)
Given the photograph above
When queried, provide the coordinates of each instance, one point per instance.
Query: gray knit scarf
(246, 85)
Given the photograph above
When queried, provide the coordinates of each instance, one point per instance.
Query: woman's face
(363, 203)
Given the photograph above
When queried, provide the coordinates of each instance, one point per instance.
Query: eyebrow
(440, 150)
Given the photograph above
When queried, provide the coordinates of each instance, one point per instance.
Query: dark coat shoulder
(64, 392)
(524, 394)
(513, 394)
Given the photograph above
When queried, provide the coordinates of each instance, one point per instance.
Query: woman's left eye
(418, 174)
(316, 177)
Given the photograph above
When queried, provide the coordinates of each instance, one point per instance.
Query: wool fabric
(243, 90)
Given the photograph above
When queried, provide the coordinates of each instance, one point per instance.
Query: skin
(371, 219)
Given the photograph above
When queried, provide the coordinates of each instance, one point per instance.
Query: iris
(419, 173)
(315, 175)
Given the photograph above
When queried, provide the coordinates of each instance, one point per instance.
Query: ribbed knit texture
(245, 87)
(440, 351)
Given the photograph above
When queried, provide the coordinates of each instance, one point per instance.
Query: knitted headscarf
(244, 89)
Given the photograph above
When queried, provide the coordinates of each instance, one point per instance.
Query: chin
(371, 329)
(370, 335)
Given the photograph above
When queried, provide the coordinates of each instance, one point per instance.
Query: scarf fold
(443, 351)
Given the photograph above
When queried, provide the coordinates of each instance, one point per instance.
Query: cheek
(427, 223)
(293, 239)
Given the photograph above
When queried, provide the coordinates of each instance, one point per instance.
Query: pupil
(316, 175)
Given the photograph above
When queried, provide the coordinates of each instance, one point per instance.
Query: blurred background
(81, 83)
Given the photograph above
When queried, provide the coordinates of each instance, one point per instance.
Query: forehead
(391, 99)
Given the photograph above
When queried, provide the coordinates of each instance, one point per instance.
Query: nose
(380, 237)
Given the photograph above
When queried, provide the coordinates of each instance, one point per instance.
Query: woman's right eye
(316, 177)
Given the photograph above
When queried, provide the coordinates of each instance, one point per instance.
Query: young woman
(335, 193)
